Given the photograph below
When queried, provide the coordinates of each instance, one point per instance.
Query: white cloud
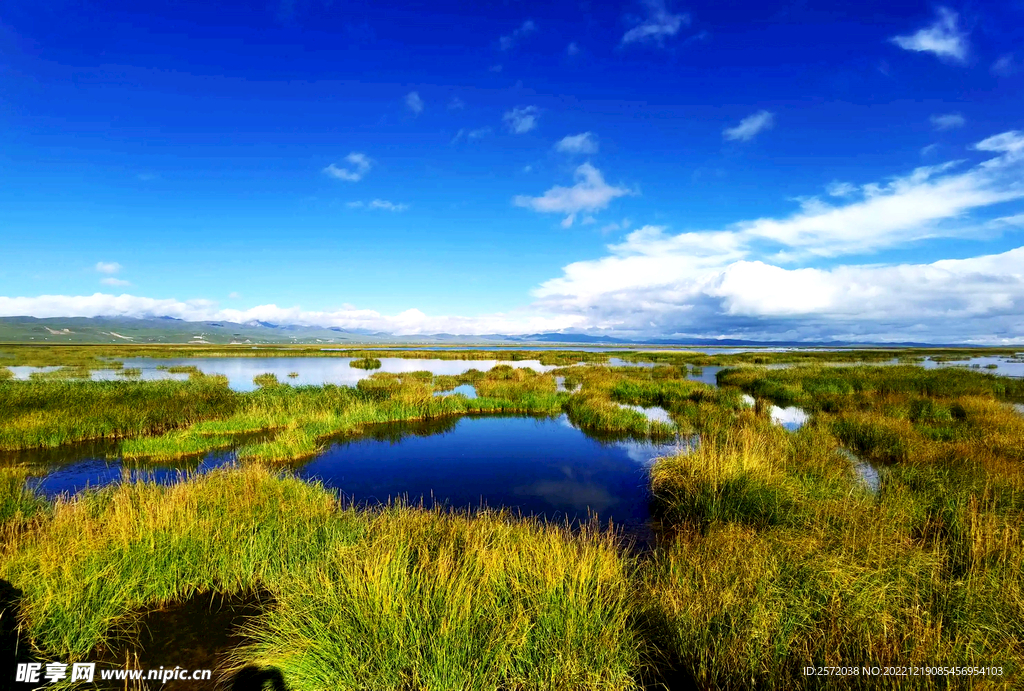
(234, 295)
(359, 165)
(841, 189)
(387, 206)
(471, 134)
(1010, 144)
(943, 39)
(111, 281)
(714, 282)
(585, 143)
(590, 193)
(377, 204)
(658, 25)
(572, 49)
(750, 126)
(976, 299)
(108, 267)
(413, 102)
(410, 321)
(522, 119)
(456, 104)
(947, 121)
(507, 42)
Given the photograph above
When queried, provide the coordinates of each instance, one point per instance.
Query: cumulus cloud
(947, 121)
(966, 300)
(943, 38)
(590, 193)
(413, 102)
(108, 267)
(750, 126)
(508, 41)
(585, 143)
(358, 165)
(735, 281)
(656, 26)
(522, 119)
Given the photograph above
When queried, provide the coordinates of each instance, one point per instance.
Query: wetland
(516, 519)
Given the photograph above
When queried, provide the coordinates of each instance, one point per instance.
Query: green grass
(18, 504)
(778, 559)
(365, 363)
(265, 380)
(390, 599)
(440, 601)
(180, 369)
(51, 413)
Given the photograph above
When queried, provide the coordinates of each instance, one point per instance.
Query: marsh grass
(18, 503)
(771, 556)
(104, 555)
(428, 600)
(265, 380)
(180, 369)
(778, 559)
(52, 413)
(394, 598)
(365, 363)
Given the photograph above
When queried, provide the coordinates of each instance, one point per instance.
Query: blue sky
(759, 170)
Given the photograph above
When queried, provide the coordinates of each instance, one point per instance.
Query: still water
(539, 466)
(314, 371)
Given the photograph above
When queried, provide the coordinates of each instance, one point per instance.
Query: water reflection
(1002, 366)
(314, 371)
(467, 390)
(867, 472)
(792, 418)
(652, 413)
(541, 466)
(536, 466)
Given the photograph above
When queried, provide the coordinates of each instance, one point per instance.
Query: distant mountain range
(171, 330)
